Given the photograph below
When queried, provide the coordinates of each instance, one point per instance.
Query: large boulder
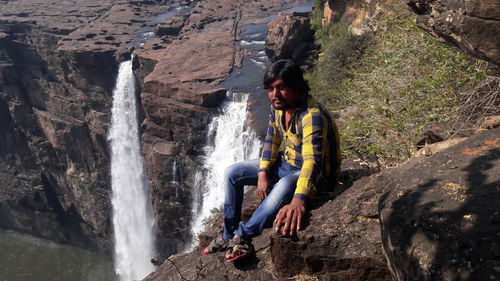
(289, 36)
(473, 26)
(440, 213)
(171, 27)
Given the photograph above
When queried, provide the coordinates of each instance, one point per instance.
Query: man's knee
(231, 172)
(240, 170)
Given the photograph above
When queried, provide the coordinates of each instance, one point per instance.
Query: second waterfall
(229, 143)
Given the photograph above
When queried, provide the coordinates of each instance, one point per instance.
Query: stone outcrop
(473, 26)
(172, 26)
(437, 224)
(442, 222)
(289, 37)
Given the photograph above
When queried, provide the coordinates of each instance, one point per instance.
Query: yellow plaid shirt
(311, 143)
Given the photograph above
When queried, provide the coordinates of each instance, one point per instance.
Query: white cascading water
(133, 221)
(231, 144)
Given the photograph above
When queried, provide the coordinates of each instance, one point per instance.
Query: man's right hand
(262, 185)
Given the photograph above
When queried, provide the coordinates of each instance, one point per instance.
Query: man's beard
(282, 106)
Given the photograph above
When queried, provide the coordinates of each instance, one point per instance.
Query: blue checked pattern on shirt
(311, 143)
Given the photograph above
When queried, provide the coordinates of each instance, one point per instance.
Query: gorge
(59, 63)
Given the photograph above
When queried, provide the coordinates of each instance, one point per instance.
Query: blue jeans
(282, 176)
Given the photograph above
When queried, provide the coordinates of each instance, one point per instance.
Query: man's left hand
(289, 218)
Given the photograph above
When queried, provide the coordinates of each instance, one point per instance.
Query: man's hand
(290, 217)
(262, 185)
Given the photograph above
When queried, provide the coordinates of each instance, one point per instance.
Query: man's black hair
(290, 73)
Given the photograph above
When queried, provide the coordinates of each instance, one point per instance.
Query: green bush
(389, 86)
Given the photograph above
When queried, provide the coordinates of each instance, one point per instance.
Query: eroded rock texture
(356, 12)
(442, 223)
(474, 26)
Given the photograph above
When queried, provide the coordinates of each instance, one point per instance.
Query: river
(27, 258)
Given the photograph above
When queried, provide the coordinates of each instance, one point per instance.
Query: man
(300, 156)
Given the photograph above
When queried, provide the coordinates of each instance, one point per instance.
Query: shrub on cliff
(388, 88)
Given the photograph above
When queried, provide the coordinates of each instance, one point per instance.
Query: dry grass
(397, 82)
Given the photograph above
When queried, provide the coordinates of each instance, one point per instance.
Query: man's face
(281, 96)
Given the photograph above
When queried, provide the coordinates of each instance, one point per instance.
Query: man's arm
(268, 157)
(314, 132)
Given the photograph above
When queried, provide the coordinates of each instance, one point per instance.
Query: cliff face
(472, 26)
(58, 64)
(442, 222)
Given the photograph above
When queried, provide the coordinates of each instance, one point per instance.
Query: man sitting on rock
(300, 157)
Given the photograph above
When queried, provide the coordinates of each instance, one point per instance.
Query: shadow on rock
(440, 215)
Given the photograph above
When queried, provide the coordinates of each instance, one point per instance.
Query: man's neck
(288, 117)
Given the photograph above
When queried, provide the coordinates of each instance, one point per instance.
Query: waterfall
(231, 144)
(133, 221)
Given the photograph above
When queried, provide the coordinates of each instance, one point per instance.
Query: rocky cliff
(54, 103)
(58, 68)
(437, 224)
(58, 63)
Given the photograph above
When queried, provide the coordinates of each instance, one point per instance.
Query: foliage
(317, 15)
(387, 87)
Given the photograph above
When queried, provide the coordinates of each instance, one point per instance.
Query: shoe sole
(238, 257)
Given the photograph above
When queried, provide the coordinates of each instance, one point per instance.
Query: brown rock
(491, 122)
(330, 13)
(472, 26)
(289, 34)
(356, 12)
(58, 65)
(340, 242)
(439, 214)
(171, 27)
(434, 148)
(434, 132)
